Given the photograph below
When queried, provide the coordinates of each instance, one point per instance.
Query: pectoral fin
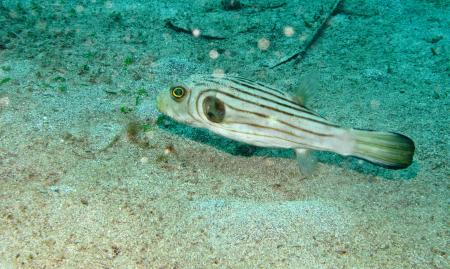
(306, 161)
(308, 84)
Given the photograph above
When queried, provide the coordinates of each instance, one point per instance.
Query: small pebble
(4, 101)
(144, 160)
(84, 201)
(169, 149)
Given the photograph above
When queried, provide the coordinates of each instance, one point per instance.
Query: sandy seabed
(91, 176)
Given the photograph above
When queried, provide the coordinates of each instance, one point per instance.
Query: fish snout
(160, 104)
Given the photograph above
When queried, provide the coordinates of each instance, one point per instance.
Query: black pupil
(178, 92)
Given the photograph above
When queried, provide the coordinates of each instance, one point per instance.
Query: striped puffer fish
(261, 115)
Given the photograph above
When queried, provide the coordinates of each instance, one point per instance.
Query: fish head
(192, 102)
(174, 103)
(179, 103)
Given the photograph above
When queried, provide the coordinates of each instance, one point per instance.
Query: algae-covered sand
(91, 176)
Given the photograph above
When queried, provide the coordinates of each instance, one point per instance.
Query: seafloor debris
(313, 37)
(90, 140)
(182, 29)
(285, 28)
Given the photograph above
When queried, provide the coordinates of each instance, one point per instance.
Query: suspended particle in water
(303, 37)
(288, 31)
(167, 37)
(279, 54)
(213, 54)
(375, 104)
(196, 32)
(108, 4)
(41, 25)
(13, 14)
(144, 160)
(79, 8)
(88, 42)
(127, 38)
(218, 72)
(263, 44)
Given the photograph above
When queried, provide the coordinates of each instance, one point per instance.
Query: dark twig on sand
(301, 53)
(178, 29)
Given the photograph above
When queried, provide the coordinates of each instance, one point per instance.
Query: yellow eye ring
(178, 92)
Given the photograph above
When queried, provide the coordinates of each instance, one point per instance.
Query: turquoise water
(92, 175)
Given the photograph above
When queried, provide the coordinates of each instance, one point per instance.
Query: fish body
(261, 115)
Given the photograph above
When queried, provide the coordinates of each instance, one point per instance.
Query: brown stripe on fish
(269, 92)
(246, 82)
(301, 114)
(284, 98)
(309, 134)
(266, 106)
(258, 126)
(280, 121)
(225, 81)
(240, 131)
(245, 91)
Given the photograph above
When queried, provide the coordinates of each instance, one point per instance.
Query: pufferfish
(261, 115)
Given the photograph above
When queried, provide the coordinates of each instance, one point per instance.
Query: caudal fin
(390, 150)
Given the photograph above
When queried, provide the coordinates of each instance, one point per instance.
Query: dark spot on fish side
(214, 109)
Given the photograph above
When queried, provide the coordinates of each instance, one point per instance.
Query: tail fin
(390, 150)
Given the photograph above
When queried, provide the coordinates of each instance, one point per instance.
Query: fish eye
(178, 93)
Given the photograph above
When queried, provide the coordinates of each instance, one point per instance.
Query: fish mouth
(160, 105)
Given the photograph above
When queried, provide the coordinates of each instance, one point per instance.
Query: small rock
(4, 102)
(374, 74)
(434, 39)
(61, 189)
(144, 160)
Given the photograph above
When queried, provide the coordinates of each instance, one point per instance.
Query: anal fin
(306, 161)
